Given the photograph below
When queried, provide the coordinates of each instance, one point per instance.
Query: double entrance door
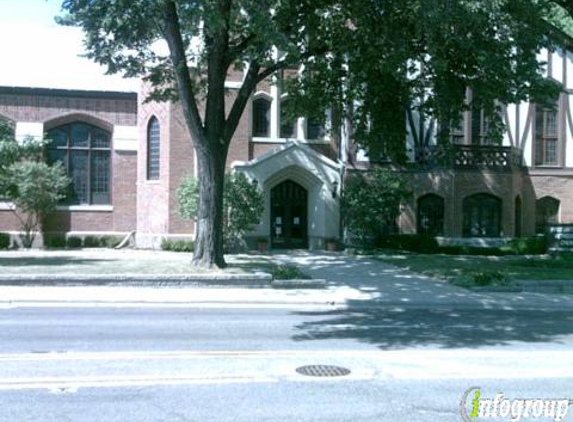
(289, 224)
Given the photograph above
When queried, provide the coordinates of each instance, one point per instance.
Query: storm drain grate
(323, 371)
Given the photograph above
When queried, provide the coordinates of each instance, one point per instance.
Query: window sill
(88, 208)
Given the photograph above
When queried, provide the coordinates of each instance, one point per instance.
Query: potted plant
(262, 244)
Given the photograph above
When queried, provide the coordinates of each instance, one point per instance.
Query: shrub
(109, 241)
(413, 243)
(489, 278)
(74, 242)
(92, 242)
(177, 245)
(371, 201)
(527, 246)
(55, 241)
(287, 272)
(4, 240)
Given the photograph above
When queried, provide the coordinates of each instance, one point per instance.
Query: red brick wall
(41, 105)
(54, 107)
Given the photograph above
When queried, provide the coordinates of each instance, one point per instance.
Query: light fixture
(255, 183)
(334, 188)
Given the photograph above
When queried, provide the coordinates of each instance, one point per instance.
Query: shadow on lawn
(397, 316)
(53, 261)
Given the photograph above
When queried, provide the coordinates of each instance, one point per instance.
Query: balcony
(478, 157)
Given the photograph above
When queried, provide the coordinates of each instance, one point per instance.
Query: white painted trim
(125, 138)
(85, 208)
(233, 84)
(7, 206)
(260, 140)
(29, 129)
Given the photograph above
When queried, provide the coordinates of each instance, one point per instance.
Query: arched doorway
(289, 222)
(431, 215)
(482, 216)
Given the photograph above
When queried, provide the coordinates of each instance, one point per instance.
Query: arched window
(431, 215)
(482, 216)
(546, 213)
(153, 149)
(85, 150)
(288, 123)
(261, 117)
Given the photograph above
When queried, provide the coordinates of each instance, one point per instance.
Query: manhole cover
(323, 371)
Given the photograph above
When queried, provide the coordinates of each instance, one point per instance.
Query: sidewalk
(351, 281)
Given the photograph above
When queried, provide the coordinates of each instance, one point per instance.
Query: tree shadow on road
(401, 327)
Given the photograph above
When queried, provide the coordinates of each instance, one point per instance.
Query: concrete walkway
(390, 285)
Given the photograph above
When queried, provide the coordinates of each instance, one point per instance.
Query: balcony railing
(469, 157)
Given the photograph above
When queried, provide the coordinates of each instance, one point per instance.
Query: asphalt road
(99, 363)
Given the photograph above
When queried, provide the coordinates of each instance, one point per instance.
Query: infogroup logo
(473, 407)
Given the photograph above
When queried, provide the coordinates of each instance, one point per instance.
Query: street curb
(314, 283)
(247, 280)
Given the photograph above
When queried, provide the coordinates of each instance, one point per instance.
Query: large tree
(369, 56)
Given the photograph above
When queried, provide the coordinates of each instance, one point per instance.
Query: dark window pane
(288, 124)
(314, 129)
(153, 149)
(88, 169)
(78, 172)
(482, 216)
(100, 177)
(261, 117)
(55, 155)
(80, 134)
(431, 215)
(100, 139)
(59, 138)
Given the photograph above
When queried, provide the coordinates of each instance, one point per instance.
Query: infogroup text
(473, 407)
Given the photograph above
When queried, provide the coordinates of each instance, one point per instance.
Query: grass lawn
(110, 261)
(459, 267)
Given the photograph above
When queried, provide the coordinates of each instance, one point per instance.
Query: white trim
(7, 206)
(233, 84)
(125, 138)
(261, 140)
(28, 129)
(86, 208)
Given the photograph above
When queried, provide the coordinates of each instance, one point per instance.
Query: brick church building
(126, 159)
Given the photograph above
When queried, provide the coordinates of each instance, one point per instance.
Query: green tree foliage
(368, 59)
(187, 197)
(33, 186)
(371, 201)
(243, 204)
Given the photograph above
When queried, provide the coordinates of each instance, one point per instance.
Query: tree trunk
(209, 243)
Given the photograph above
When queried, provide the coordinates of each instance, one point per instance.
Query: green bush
(489, 278)
(74, 242)
(55, 241)
(109, 241)
(406, 242)
(287, 272)
(4, 240)
(92, 242)
(177, 245)
(527, 246)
